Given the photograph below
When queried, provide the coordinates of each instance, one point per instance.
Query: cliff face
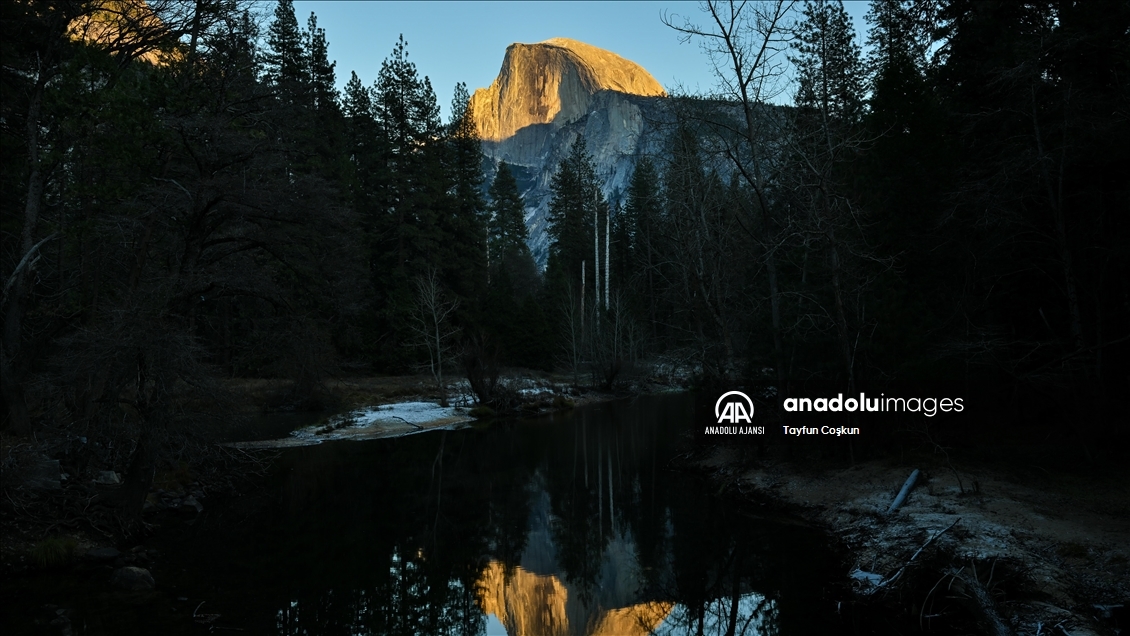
(548, 96)
(122, 26)
(553, 82)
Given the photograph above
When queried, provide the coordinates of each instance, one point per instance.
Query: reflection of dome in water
(529, 604)
(533, 599)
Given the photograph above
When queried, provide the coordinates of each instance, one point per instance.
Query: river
(568, 524)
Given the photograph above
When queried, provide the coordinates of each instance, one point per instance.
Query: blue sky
(464, 41)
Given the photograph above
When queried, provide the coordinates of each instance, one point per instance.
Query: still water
(565, 525)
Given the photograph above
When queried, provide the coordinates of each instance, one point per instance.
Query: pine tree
(509, 252)
(465, 233)
(637, 227)
(285, 62)
(406, 110)
(231, 46)
(407, 233)
(323, 81)
(898, 41)
(826, 132)
(357, 102)
(364, 149)
(508, 232)
(405, 105)
(576, 201)
(829, 69)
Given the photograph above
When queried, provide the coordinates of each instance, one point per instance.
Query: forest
(190, 199)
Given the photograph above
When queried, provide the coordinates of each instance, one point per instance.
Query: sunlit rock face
(553, 82)
(128, 26)
(550, 94)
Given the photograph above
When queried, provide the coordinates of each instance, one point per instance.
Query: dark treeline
(190, 197)
(197, 201)
(944, 216)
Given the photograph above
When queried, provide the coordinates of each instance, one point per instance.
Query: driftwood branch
(418, 427)
(878, 582)
(980, 603)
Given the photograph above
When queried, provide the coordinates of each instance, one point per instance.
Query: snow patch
(404, 412)
(375, 422)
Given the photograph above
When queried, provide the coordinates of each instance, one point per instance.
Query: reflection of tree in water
(391, 539)
(567, 526)
(577, 533)
(747, 615)
(603, 555)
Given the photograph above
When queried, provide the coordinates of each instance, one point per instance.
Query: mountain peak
(552, 82)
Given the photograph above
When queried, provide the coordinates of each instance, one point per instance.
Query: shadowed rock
(132, 579)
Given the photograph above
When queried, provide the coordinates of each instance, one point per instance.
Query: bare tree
(824, 136)
(433, 325)
(616, 346)
(746, 43)
(127, 30)
(572, 311)
(701, 255)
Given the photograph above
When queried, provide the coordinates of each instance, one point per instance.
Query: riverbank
(971, 548)
(531, 388)
(382, 407)
(59, 487)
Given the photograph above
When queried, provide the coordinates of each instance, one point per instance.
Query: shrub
(53, 551)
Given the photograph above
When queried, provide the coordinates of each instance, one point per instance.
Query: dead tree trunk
(15, 304)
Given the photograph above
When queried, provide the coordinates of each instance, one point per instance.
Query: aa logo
(735, 410)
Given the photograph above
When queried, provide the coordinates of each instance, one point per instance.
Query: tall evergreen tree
(898, 39)
(637, 227)
(829, 69)
(825, 145)
(322, 126)
(364, 149)
(285, 61)
(406, 110)
(465, 226)
(406, 226)
(508, 232)
(509, 252)
(357, 101)
(323, 81)
(574, 205)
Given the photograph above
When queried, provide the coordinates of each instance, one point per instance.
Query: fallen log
(901, 497)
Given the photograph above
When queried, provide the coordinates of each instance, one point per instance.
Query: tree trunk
(139, 475)
(11, 365)
(775, 317)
